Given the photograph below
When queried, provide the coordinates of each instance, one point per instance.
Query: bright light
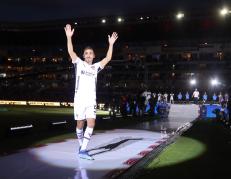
(76, 23)
(103, 21)
(21, 127)
(119, 19)
(141, 18)
(193, 82)
(180, 15)
(215, 82)
(58, 123)
(224, 11)
(2, 75)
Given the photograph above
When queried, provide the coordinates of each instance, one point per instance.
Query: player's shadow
(112, 146)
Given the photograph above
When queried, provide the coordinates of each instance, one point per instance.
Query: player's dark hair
(88, 48)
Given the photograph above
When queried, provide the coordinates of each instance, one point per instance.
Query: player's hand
(69, 32)
(112, 38)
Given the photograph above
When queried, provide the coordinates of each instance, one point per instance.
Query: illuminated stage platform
(114, 150)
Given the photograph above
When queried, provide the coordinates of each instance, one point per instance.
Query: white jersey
(196, 94)
(147, 95)
(85, 83)
(159, 96)
(171, 96)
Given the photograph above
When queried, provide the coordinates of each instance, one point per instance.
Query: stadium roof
(45, 10)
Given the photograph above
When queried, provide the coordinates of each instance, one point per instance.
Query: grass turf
(182, 150)
(204, 151)
(26, 110)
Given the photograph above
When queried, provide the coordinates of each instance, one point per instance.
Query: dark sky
(40, 10)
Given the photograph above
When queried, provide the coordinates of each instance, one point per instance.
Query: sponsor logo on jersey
(87, 73)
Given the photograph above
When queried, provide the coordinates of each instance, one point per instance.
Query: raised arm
(69, 33)
(111, 41)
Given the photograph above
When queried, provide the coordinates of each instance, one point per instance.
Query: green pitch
(43, 111)
(182, 150)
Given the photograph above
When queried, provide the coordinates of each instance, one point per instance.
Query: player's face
(88, 55)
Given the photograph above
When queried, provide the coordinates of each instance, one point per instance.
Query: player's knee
(80, 124)
(91, 123)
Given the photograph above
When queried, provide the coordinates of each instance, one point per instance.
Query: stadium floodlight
(193, 81)
(215, 82)
(103, 21)
(75, 23)
(180, 15)
(141, 18)
(119, 19)
(224, 11)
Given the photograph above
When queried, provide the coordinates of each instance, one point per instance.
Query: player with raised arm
(85, 88)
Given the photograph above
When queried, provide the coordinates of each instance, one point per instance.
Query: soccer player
(196, 96)
(159, 97)
(85, 88)
(172, 98)
(166, 97)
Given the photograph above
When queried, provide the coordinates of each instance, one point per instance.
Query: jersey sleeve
(77, 61)
(98, 67)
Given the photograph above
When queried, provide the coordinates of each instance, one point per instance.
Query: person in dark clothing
(133, 105)
(113, 107)
(152, 103)
(141, 105)
(123, 106)
(229, 109)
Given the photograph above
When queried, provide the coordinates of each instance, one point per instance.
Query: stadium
(119, 89)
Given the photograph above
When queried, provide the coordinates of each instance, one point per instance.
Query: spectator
(205, 97)
(187, 97)
(152, 103)
(179, 96)
(226, 97)
(214, 97)
(220, 98)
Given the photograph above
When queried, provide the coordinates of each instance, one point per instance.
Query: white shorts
(82, 112)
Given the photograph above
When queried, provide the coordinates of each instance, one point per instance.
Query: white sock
(79, 133)
(87, 135)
